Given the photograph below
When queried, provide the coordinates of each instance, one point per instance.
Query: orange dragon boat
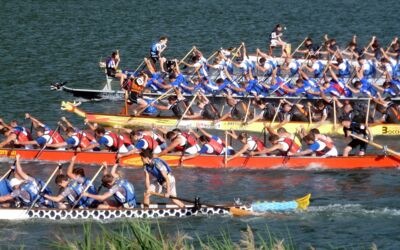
(211, 161)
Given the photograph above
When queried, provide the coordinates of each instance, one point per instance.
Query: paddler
(211, 144)
(164, 181)
(143, 141)
(281, 141)
(156, 50)
(317, 147)
(351, 127)
(121, 189)
(135, 87)
(181, 142)
(77, 140)
(45, 135)
(72, 186)
(207, 110)
(237, 109)
(310, 48)
(13, 135)
(250, 144)
(26, 189)
(109, 140)
(177, 104)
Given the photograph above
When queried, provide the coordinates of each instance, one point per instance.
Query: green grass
(141, 235)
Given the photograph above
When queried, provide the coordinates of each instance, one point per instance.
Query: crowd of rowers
(189, 143)
(78, 191)
(325, 71)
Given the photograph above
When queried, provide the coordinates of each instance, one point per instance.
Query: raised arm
(70, 168)
(18, 168)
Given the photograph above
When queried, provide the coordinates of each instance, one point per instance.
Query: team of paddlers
(346, 73)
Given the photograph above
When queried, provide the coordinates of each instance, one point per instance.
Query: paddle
(298, 47)
(247, 111)
(334, 115)
(376, 145)
(44, 187)
(187, 109)
(183, 59)
(226, 150)
(45, 145)
(88, 186)
(7, 174)
(276, 113)
(158, 98)
(367, 115)
(233, 210)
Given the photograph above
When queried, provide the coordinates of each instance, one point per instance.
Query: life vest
(81, 140)
(346, 71)
(190, 142)
(209, 112)
(216, 146)
(136, 88)
(259, 145)
(77, 189)
(129, 198)
(179, 108)
(326, 149)
(153, 50)
(318, 72)
(116, 142)
(155, 171)
(292, 145)
(54, 135)
(152, 144)
(32, 188)
(22, 134)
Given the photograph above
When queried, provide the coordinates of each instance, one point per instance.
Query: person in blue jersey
(364, 88)
(317, 147)
(317, 67)
(342, 66)
(156, 51)
(366, 68)
(77, 140)
(164, 181)
(335, 86)
(387, 89)
(26, 189)
(275, 39)
(73, 185)
(361, 130)
(119, 188)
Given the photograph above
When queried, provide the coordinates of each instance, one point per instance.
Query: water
(47, 41)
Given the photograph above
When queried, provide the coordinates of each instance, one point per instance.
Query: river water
(47, 41)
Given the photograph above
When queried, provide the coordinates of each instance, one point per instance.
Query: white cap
(15, 182)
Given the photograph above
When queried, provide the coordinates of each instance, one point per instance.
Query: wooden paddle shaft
(276, 113)
(190, 51)
(376, 145)
(6, 174)
(298, 47)
(158, 98)
(187, 109)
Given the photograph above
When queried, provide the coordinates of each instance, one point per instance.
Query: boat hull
(156, 211)
(170, 123)
(211, 161)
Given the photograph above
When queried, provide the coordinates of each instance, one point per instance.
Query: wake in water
(353, 209)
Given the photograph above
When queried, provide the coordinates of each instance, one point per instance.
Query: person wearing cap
(355, 128)
(26, 189)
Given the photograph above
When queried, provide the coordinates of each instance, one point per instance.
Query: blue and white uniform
(74, 190)
(318, 69)
(155, 169)
(344, 69)
(124, 193)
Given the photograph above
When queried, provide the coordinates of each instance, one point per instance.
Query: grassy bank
(141, 235)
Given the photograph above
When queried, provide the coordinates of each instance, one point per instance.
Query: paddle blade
(303, 202)
(240, 212)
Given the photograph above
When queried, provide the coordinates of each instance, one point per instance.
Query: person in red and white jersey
(181, 142)
(250, 144)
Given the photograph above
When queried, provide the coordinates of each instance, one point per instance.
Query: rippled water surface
(46, 41)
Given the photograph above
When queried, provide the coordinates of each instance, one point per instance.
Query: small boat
(155, 211)
(171, 122)
(212, 161)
